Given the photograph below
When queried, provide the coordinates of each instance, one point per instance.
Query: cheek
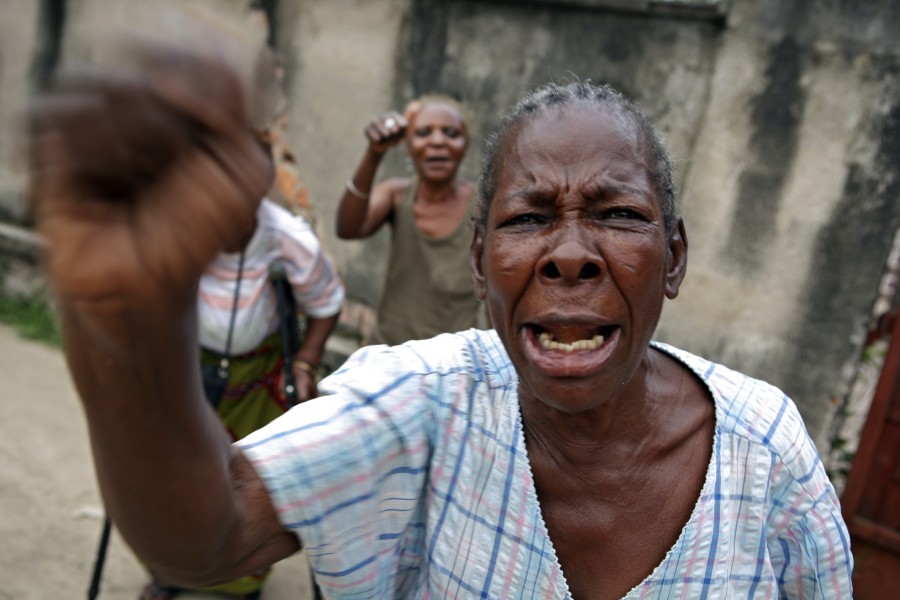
(415, 145)
(633, 262)
(508, 272)
(458, 145)
(641, 275)
(510, 261)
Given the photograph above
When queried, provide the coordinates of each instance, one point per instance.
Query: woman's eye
(623, 213)
(423, 132)
(452, 132)
(524, 220)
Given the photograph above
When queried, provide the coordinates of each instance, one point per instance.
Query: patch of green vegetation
(32, 317)
(842, 459)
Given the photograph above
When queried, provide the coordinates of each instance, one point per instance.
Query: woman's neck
(429, 192)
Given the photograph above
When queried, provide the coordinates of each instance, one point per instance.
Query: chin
(565, 396)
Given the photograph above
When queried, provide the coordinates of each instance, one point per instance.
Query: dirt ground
(50, 512)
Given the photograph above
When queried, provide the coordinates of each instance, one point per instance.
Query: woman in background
(427, 288)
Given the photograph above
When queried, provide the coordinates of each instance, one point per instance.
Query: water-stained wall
(782, 119)
(793, 199)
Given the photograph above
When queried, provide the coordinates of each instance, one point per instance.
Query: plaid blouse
(412, 480)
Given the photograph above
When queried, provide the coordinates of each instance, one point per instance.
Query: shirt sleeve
(809, 545)
(317, 286)
(347, 472)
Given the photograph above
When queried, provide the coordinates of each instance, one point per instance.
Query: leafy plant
(32, 316)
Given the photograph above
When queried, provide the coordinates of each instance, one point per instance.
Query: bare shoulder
(393, 189)
(689, 403)
(395, 184)
(673, 373)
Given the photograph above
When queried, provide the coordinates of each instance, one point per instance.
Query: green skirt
(253, 397)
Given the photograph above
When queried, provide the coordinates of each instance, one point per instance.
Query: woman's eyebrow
(535, 194)
(610, 188)
(602, 188)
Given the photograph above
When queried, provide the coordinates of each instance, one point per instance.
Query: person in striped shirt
(286, 240)
(238, 317)
(563, 454)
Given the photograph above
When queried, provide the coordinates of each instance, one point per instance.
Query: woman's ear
(476, 254)
(676, 260)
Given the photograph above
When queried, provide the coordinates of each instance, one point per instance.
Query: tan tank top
(427, 287)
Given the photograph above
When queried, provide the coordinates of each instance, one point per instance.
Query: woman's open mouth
(570, 338)
(438, 161)
(570, 351)
(547, 341)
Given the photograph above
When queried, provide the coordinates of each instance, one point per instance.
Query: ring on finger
(390, 123)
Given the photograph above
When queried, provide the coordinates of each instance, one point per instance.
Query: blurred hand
(386, 131)
(306, 385)
(139, 178)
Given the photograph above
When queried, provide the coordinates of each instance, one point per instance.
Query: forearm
(313, 346)
(162, 458)
(353, 209)
(137, 180)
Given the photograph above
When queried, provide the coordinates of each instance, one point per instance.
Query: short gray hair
(580, 93)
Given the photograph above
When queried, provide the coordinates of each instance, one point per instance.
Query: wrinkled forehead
(586, 135)
(439, 112)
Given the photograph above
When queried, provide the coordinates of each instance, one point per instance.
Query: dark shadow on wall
(849, 255)
(50, 27)
(51, 24)
(775, 114)
(270, 8)
(427, 44)
(445, 46)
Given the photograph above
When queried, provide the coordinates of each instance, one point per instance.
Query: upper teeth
(549, 343)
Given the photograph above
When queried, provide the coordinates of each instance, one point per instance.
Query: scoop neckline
(705, 490)
(411, 194)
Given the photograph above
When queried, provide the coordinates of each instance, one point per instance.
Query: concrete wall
(19, 35)
(793, 195)
(784, 121)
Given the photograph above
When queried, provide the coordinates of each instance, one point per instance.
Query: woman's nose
(437, 138)
(570, 262)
